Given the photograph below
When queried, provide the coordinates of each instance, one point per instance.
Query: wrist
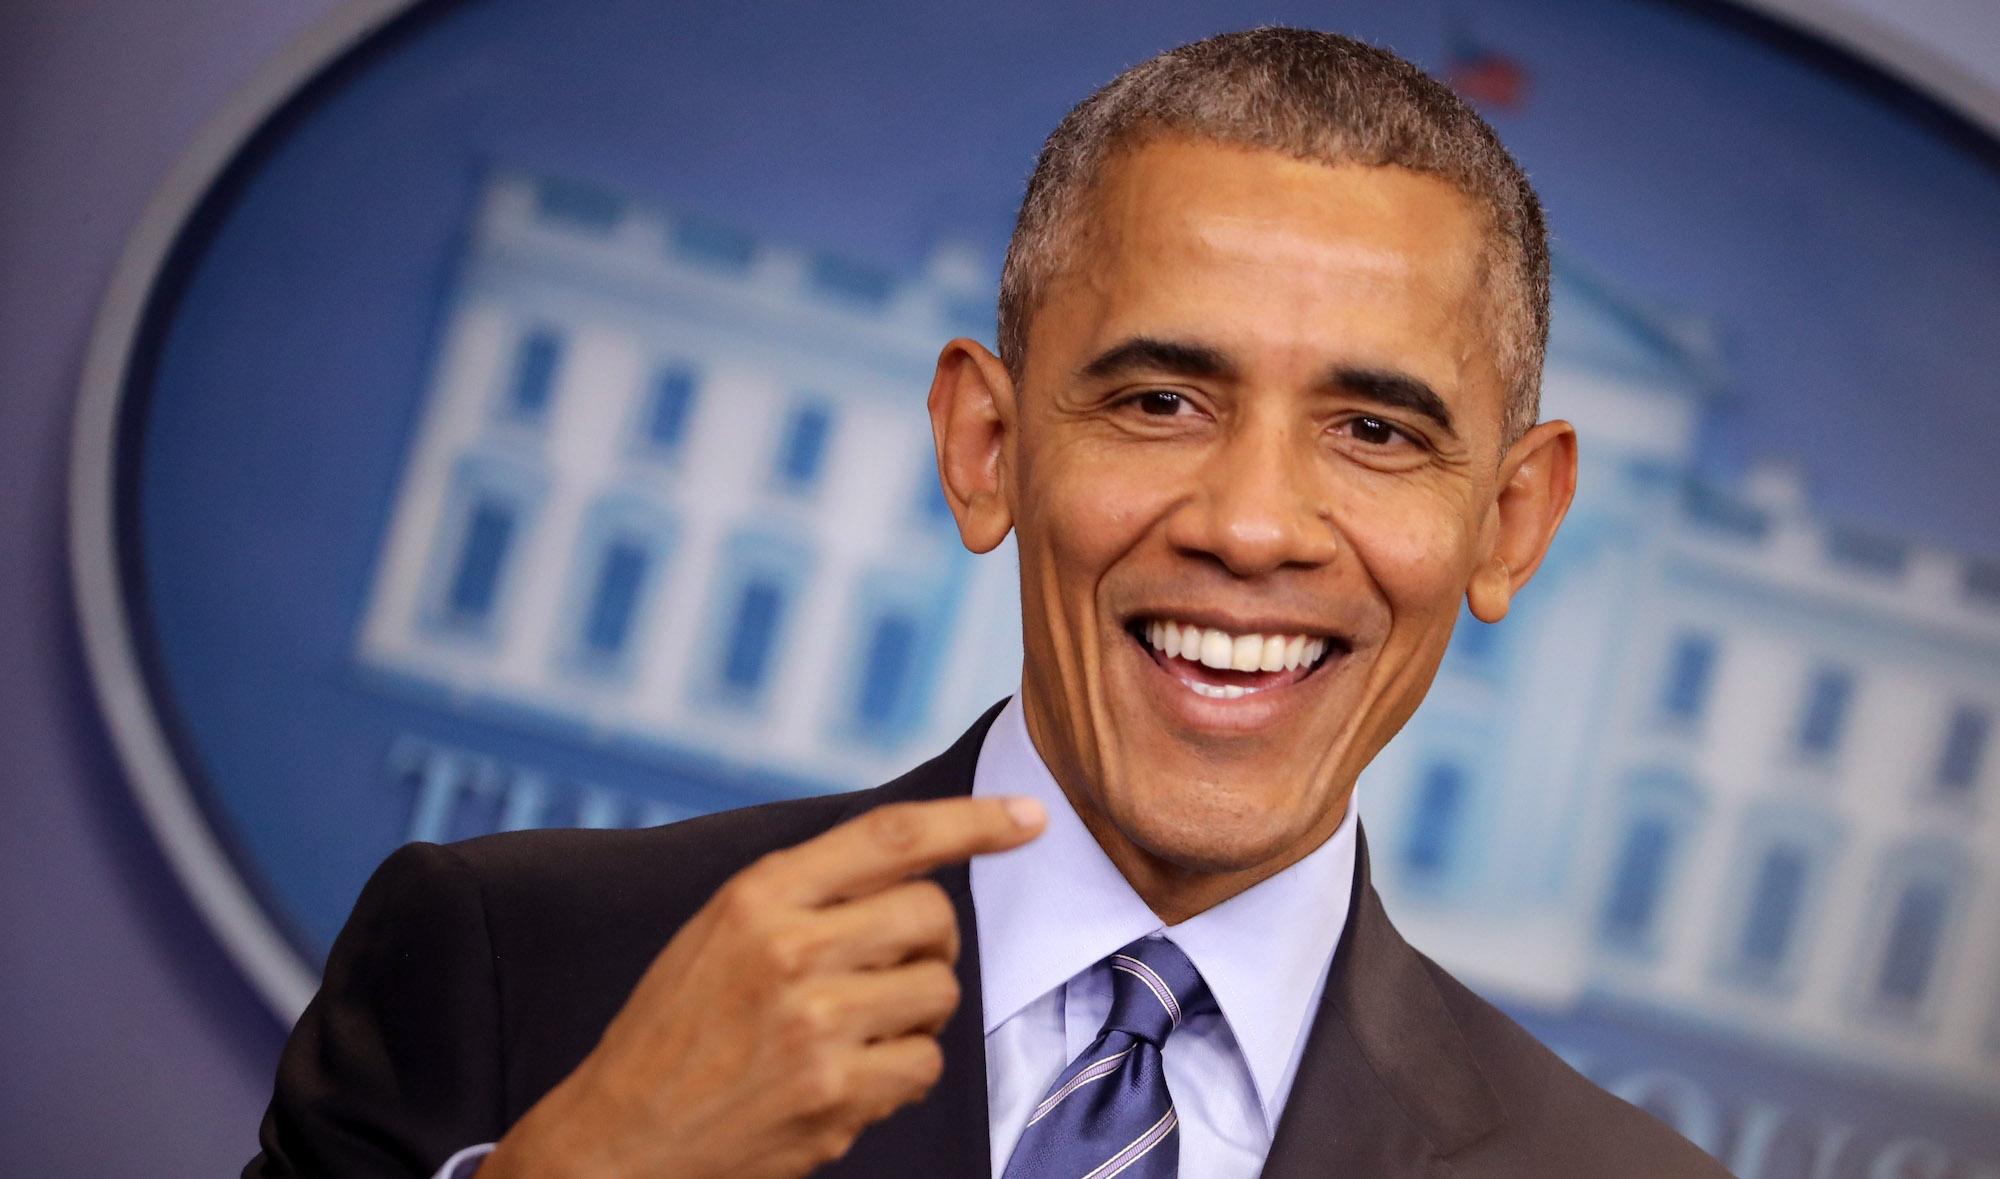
(551, 1141)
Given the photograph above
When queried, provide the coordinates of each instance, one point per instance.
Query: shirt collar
(1051, 909)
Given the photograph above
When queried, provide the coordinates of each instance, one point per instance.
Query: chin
(1206, 834)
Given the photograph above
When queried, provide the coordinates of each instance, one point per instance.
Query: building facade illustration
(672, 492)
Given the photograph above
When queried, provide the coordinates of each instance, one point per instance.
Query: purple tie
(1109, 1113)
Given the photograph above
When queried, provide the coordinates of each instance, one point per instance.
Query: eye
(1376, 432)
(1159, 403)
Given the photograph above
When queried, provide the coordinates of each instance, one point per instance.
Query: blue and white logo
(672, 493)
(525, 427)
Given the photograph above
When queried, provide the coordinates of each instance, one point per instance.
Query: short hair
(1314, 96)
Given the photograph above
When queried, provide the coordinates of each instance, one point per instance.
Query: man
(1264, 413)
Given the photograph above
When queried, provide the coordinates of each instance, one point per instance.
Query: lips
(1230, 665)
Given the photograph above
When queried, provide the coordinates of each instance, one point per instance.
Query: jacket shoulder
(572, 876)
(388, 1068)
(1558, 1121)
(473, 976)
(575, 872)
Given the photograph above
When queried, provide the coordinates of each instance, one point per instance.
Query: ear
(1537, 481)
(972, 423)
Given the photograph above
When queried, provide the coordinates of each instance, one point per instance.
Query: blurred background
(509, 415)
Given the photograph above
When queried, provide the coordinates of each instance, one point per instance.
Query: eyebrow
(1393, 390)
(1150, 354)
(1384, 387)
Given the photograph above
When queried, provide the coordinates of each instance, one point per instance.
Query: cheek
(1413, 543)
(1083, 509)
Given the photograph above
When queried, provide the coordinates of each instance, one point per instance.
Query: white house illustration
(673, 491)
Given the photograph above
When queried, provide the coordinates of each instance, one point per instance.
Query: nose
(1258, 506)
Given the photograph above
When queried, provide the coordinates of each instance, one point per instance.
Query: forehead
(1200, 238)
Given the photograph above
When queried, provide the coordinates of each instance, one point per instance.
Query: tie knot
(1152, 985)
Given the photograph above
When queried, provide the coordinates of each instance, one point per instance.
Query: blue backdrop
(1801, 256)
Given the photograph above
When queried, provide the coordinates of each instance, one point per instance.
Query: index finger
(892, 843)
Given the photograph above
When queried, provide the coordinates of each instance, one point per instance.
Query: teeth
(1223, 691)
(1216, 649)
(1224, 651)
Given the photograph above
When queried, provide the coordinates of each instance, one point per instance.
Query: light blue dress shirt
(1050, 912)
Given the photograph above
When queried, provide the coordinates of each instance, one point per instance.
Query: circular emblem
(511, 415)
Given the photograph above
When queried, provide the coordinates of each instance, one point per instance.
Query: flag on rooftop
(1483, 75)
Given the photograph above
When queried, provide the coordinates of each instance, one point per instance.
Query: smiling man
(1263, 416)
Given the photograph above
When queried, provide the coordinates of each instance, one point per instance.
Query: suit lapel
(1387, 1085)
(945, 1133)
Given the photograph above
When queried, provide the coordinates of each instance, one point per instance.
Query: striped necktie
(1109, 1113)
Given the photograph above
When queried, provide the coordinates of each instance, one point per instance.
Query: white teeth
(1226, 652)
(1223, 691)
(1216, 649)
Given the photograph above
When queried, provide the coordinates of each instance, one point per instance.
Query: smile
(1222, 665)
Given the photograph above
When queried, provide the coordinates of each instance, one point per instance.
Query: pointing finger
(893, 843)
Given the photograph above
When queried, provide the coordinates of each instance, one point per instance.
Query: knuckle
(788, 953)
(822, 1085)
(834, 1142)
(894, 828)
(927, 1069)
(807, 1016)
(943, 983)
(933, 902)
(939, 915)
(746, 897)
(939, 930)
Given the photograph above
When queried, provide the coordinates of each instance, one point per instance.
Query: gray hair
(1314, 96)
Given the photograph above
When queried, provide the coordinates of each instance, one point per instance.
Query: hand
(798, 1006)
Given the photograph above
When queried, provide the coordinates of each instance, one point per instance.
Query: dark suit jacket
(472, 978)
